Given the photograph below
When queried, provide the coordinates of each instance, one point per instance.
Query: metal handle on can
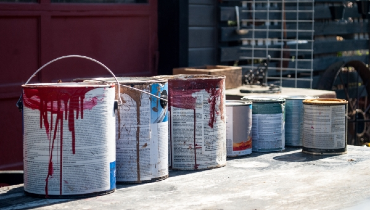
(19, 103)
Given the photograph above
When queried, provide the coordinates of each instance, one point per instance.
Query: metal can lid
(124, 80)
(237, 103)
(325, 101)
(67, 85)
(300, 97)
(264, 99)
(196, 77)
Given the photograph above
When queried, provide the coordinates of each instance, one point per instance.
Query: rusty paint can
(294, 120)
(68, 139)
(142, 131)
(197, 121)
(268, 123)
(325, 126)
(238, 128)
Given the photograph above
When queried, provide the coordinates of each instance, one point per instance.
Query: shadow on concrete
(301, 157)
(15, 198)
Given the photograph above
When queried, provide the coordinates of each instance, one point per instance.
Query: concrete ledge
(280, 180)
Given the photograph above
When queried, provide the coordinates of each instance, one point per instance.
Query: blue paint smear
(155, 103)
(112, 175)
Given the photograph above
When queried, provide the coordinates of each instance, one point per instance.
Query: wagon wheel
(351, 81)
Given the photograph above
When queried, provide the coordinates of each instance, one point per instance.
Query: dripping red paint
(181, 91)
(63, 102)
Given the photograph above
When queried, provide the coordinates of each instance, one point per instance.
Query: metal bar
(277, 20)
(298, 11)
(296, 53)
(276, 59)
(276, 49)
(312, 37)
(278, 30)
(287, 78)
(306, 40)
(288, 1)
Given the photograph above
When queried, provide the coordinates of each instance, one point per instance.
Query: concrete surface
(280, 180)
(235, 94)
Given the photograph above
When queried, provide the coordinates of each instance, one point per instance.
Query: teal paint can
(268, 123)
(294, 120)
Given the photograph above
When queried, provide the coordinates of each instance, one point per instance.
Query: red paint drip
(181, 90)
(195, 145)
(49, 99)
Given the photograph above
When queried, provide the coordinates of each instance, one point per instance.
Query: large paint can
(197, 121)
(294, 120)
(268, 123)
(325, 126)
(142, 130)
(68, 137)
(238, 128)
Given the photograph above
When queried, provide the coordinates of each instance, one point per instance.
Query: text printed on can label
(324, 126)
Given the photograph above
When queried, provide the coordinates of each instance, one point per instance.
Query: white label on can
(324, 127)
(130, 134)
(268, 132)
(229, 130)
(210, 143)
(149, 136)
(51, 167)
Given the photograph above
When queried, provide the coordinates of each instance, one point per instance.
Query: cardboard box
(233, 73)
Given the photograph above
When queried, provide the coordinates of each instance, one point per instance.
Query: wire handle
(78, 56)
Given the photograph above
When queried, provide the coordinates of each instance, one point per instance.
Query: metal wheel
(351, 81)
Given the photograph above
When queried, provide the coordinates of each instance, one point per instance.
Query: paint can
(325, 126)
(68, 138)
(238, 128)
(197, 121)
(294, 120)
(142, 130)
(268, 123)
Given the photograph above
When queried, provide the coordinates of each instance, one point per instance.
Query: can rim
(237, 103)
(196, 77)
(325, 101)
(300, 97)
(66, 84)
(123, 80)
(256, 99)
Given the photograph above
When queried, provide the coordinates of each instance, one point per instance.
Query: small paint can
(294, 120)
(268, 123)
(325, 126)
(238, 128)
(142, 130)
(197, 121)
(68, 139)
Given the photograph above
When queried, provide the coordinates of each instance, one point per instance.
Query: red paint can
(197, 121)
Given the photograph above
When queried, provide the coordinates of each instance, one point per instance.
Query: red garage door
(122, 34)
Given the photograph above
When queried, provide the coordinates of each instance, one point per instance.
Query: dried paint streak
(181, 91)
(62, 102)
(135, 96)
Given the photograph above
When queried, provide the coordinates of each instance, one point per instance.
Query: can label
(324, 127)
(142, 137)
(198, 128)
(294, 122)
(239, 130)
(268, 129)
(68, 146)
